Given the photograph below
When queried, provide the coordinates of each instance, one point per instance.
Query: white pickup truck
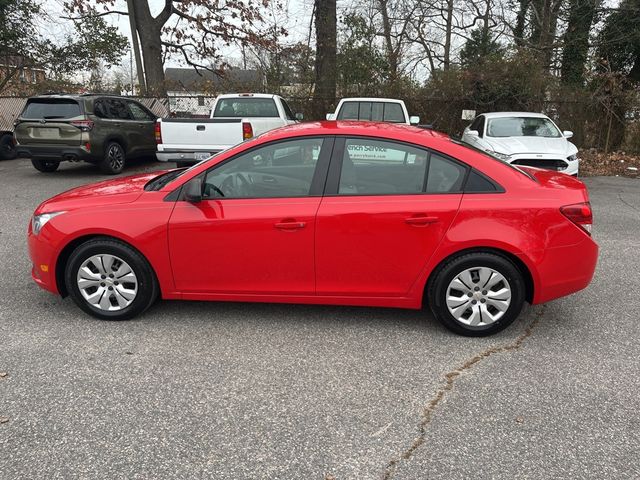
(234, 119)
(373, 109)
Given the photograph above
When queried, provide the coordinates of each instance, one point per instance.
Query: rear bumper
(565, 270)
(181, 156)
(58, 153)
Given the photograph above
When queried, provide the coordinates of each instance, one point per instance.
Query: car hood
(108, 192)
(514, 145)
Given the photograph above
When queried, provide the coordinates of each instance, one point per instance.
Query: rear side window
(445, 176)
(246, 107)
(373, 111)
(51, 108)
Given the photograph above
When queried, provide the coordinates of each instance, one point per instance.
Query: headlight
(501, 156)
(39, 221)
(573, 158)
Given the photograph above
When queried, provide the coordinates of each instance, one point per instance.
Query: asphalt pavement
(194, 390)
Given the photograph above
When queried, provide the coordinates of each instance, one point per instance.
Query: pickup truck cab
(234, 118)
(373, 109)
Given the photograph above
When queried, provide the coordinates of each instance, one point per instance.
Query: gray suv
(100, 129)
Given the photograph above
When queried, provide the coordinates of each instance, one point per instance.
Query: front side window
(283, 169)
(375, 167)
(245, 107)
(522, 127)
(287, 110)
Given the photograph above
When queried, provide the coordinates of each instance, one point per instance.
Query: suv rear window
(246, 107)
(51, 108)
(374, 111)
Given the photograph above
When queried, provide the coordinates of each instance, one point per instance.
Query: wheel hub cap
(478, 296)
(107, 282)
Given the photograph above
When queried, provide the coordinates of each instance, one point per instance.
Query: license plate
(202, 155)
(45, 132)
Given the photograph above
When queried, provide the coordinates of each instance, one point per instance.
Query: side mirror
(473, 133)
(331, 116)
(414, 120)
(193, 190)
(299, 117)
(567, 134)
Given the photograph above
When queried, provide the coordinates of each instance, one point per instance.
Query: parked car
(373, 109)
(411, 217)
(524, 138)
(234, 119)
(100, 129)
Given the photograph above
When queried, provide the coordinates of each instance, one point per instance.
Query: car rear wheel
(110, 280)
(7, 147)
(477, 294)
(46, 166)
(114, 159)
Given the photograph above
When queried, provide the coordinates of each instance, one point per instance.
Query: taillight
(158, 133)
(247, 131)
(84, 125)
(580, 214)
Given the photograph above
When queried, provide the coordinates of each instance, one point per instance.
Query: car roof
(357, 128)
(372, 99)
(513, 114)
(247, 95)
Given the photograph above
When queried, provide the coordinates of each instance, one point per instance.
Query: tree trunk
(392, 58)
(324, 95)
(150, 31)
(135, 45)
(521, 21)
(576, 40)
(447, 38)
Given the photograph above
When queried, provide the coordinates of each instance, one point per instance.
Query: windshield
(522, 127)
(163, 179)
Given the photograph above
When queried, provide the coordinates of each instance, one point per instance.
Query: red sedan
(325, 213)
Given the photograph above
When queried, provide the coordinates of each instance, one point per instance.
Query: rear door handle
(290, 225)
(420, 220)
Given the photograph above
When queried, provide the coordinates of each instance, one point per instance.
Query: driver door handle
(420, 220)
(290, 225)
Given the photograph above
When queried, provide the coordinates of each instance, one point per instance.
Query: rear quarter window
(51, 108)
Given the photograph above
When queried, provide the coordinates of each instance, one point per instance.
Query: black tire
(7, 147)
(445, 274)
(46, 166)
(114, 159)
(147, 289)
(183, 164)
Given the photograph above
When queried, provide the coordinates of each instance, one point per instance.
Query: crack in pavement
(627, 203)
(450, 378)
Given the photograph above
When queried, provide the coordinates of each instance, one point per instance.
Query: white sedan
(523, 138)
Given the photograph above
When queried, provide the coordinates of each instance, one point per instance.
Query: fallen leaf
(4, 419)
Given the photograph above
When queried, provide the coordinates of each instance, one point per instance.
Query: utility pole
(142, 89)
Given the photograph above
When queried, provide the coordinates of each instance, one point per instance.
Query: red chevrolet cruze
(327, 213)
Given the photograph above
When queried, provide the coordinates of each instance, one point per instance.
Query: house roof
(191, 80)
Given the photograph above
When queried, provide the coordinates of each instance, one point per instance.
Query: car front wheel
(477, 294)
(110, 280)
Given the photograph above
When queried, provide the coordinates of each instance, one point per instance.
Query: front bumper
(185, 157)
(43, 258)
(547, 162)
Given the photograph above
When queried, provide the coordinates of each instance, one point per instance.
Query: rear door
(386, 209)
(47, 121)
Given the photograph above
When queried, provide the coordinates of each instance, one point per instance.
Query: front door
(254, 231)
(390, 206)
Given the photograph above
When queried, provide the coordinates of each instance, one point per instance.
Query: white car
(523, 138)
